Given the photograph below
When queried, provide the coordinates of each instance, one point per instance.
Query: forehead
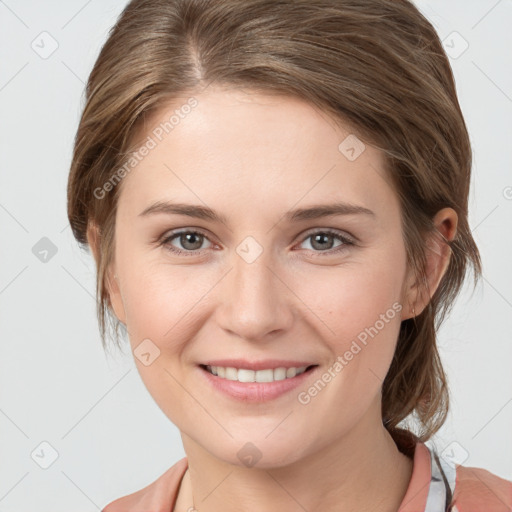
(247, 147)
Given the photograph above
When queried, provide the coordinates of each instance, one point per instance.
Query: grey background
(56, 383)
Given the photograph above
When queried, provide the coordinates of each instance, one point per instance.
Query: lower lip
(255, 391)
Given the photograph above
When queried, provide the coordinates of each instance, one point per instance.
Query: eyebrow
(299, 214)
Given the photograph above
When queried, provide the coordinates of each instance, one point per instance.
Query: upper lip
(257, 365)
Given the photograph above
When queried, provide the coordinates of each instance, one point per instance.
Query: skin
(253, 157)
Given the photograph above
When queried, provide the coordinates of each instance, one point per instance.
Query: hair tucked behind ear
(376, 65)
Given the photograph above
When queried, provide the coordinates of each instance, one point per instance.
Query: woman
(276, 196)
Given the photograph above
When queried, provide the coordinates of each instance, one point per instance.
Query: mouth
(268, 375)
(256, 386)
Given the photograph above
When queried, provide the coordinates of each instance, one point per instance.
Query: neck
(361, 471)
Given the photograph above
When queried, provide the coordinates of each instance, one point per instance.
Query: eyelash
(166, 241)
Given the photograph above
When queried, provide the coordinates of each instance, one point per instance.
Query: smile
(241, 384)
(266, 375)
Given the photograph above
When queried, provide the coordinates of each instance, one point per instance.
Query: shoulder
(158, 496)
(437, 483)
(479, 490)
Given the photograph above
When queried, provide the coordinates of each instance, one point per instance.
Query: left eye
(192, 241)
(319, 238)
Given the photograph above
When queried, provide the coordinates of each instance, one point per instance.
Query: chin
(258, 454)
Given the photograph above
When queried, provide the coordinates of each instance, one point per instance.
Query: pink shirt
(434, 484)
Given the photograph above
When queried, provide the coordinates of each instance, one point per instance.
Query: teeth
(243, 375)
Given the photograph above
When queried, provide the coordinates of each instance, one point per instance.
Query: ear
(438, 255)
(111, 280)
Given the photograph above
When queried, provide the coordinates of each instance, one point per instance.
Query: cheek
(355, 293)
(359, 306)
(161, 305)
(360, 312)
(157, 298)
(164, 302)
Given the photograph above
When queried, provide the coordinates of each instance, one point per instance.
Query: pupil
(186, 239)
(318, 237)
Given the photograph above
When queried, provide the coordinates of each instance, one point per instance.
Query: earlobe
(411, 296)
(111, 281)
(93, 240)
(437, 256)
(439, 250)
(114, 294)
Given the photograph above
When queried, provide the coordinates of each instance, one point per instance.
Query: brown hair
(377, 65)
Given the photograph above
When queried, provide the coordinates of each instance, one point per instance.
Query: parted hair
(376, 65)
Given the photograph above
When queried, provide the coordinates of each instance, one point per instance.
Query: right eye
(191, 241)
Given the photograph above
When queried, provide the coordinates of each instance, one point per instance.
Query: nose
(255, 302)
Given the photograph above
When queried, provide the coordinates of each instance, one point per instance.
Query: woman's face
(269, 282)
